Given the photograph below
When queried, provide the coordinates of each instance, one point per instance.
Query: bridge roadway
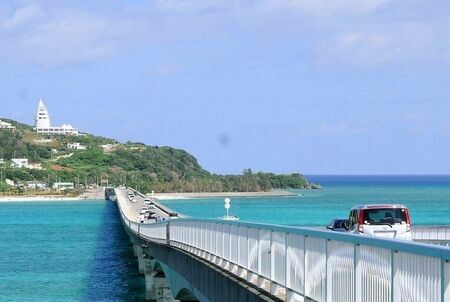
(161, 212)
(187, 259)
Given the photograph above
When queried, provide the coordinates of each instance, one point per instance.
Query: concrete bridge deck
(260, 262)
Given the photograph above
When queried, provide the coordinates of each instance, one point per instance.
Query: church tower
(42, 116)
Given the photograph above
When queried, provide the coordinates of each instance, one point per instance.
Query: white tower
(42, 116)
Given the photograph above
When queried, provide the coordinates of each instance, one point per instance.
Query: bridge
(186, 259)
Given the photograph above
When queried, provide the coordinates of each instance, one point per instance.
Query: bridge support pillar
(141, 260)
(150, 293)
(157, 287)
(162, 289)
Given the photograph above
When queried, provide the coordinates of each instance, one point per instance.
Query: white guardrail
(434, 233)
(294, 263)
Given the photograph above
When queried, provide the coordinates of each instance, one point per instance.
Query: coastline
(171, 196)
(39, 198)
(94, 194)
(99, 195)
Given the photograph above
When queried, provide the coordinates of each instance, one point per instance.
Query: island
(33, 161)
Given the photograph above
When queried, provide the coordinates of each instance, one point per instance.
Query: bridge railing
(298, 263)
(434, 233)
(294, 263)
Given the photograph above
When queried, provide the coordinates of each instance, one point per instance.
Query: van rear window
(384, 216)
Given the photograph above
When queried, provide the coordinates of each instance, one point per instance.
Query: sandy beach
(37, 198)
(166, 196)
(98, 194)
(94, 194)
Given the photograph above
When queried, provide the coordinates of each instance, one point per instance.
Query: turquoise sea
(428, 199)
(78, 251)
(66, 251)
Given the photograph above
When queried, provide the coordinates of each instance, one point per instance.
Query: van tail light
(360, 221)
(408, 221)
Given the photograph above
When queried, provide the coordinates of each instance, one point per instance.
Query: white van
(380, 220)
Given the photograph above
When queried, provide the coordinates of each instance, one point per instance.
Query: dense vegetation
(162, 169)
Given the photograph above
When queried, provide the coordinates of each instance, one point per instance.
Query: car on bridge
(338, 225)
(149, 203)
(380, 220)
(144, 210)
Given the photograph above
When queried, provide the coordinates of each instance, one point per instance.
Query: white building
(19, 162)
(43, 124)
(5, 125)
(76, 146)
(63, 186)
(23, 163)
(36, 185)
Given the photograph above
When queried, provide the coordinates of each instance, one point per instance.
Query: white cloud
(327, 6)
(60, 36)
(22, 16)
(357, 32)
(368, 47)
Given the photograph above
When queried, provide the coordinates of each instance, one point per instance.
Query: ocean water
(427, 197)
(78, 250)
(66, 251)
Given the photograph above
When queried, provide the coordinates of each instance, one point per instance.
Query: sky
(308, 86)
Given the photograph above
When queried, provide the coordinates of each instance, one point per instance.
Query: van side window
(350, 219)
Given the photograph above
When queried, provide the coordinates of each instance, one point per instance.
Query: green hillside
(162, 169)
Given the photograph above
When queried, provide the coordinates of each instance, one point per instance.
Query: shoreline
(96, 195)
(174, 196)
(92, 194)
(39, 198)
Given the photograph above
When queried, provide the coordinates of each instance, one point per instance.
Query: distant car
(144, 210)
(380, 220)
(338, 225)
(133, 200)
